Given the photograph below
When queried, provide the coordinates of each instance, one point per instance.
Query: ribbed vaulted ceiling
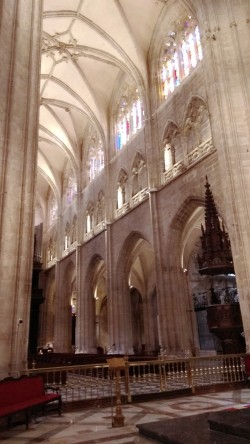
(88, 45)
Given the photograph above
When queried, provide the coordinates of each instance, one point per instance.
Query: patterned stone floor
(95, 426)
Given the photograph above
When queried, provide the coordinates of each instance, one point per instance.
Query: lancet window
(168, 154)
(67, 237)
(95, 157)
(89, 218)
(130, 117)
(180, 54)
(121, 189)
(70, 186)
(52, 209)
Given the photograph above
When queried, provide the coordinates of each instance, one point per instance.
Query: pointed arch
(89, 217)
(196, 126)
(122, 188)
(136, 265)
(171, 146)
(139, 174)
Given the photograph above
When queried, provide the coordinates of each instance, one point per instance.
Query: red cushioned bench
(23, 394)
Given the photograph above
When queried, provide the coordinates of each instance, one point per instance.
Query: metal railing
(96, 382)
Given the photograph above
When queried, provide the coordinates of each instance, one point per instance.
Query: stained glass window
(96, 157)
(53, 209)
(181, 53)
(129, 118)
(71, 187)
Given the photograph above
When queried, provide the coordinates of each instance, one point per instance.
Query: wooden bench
(25, 393)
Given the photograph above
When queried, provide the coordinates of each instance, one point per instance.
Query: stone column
(79, 320)
(119, 318)
(164, 304)
(226, 44)
(111, 301)
(20, 35)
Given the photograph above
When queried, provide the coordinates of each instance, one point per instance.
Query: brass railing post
(127, 382)
(189, 375)
(161, 378)
(116, 365)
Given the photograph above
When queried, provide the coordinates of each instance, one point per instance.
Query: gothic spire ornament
(216, 257)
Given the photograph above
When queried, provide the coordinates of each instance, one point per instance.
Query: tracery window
(130, 116)
(180, 54)
(52, 209)
(70, 187)
(95, 157)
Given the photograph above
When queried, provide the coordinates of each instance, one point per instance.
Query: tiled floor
(95, 426)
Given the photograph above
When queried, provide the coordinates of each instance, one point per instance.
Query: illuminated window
(120, 196)
(168, 157)
(180, 54)
(71, 187)
(121, 189)
(95, 157)
(67, 237)
(89, 218)
(53, 209)
(130, 117)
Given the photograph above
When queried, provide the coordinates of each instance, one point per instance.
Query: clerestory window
(181, 52)
(95, 157)
(130, 117)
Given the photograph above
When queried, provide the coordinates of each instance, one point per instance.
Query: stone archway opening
(101, 307)
(204, 291)
(141, 274)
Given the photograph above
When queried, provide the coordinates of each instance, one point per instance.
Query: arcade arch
(136, 266)
(203, 290)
